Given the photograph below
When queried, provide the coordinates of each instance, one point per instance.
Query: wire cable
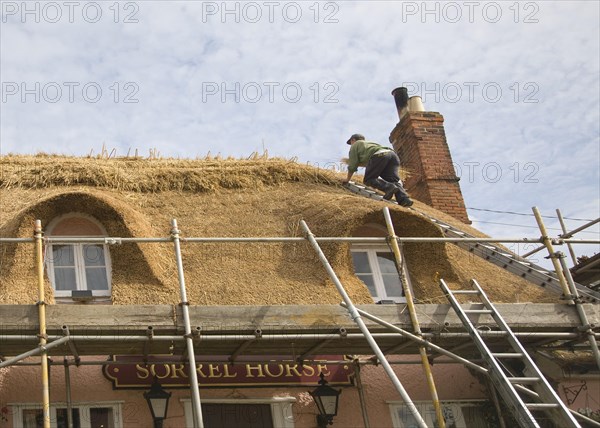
(530, 227)
(524, 214)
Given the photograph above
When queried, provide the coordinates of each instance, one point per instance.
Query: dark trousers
(386, 166)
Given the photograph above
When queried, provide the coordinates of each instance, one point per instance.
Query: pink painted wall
(23, 385)
(584, 394)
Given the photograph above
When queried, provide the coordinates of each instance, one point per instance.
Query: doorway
(217, 415)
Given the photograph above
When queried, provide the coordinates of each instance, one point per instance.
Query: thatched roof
(252, 197)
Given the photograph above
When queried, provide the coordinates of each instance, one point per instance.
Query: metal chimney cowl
(405, 104)
(401, 99)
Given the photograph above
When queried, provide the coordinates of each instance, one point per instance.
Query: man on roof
(381, 168)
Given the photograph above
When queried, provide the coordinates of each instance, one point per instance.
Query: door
(237, 415)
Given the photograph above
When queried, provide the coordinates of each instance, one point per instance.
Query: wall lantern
(158, 401)
(327, 400)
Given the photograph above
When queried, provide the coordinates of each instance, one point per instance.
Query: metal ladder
(493, 253)
(506, 383)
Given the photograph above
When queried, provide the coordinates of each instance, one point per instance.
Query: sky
(518, 84)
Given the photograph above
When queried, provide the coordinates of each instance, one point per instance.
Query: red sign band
(172, 372)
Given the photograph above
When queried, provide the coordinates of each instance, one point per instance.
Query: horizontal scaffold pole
(299, 336)
(354, 240)
(35, 351)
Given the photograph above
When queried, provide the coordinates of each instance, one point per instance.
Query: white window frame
(281, 409)
(372, 251)
(84, 412)
(427, 411)
(78, 255)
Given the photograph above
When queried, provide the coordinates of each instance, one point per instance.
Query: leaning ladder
(354, 314)
(503, 380)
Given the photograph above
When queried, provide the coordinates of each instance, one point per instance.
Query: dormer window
(376, 267)
(78, 269)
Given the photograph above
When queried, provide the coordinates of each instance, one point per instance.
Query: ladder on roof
(494, 253)
(527, 413)
(511, 262)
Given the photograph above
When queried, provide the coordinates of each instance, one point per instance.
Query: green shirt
(360, 153)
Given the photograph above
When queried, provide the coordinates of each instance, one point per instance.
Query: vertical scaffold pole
(363, 328)
(361, 394)
(586, 326)
(197, 406)
(68, 393)
(564, 229)
(39, 256)
(413, 317)
(548, 244)
(569, 288)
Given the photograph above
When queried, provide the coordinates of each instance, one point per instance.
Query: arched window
(375, 265)
(80, 269)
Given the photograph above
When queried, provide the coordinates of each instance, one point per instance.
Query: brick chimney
(420, 141)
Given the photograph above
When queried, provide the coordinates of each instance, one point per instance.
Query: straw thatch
(255, 197)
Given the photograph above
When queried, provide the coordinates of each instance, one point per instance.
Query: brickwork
(420, 141)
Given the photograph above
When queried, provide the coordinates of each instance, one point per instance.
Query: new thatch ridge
(211, 198)
(155, 175)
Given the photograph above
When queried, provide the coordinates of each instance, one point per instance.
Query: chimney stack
(420, 141)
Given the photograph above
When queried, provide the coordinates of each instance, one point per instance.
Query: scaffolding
(384, 340)
(488, 250)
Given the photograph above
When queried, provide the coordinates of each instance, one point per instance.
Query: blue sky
(517, 83)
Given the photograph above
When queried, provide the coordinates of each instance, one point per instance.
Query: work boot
(401, 196)
(389, 189)
(405, 202)
(393, 190)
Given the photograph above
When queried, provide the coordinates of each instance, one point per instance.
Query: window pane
(393, 285)
(64, 278)
(62, 255)
(96, 278)
(456, 415)
(93, 255)
(427, 413)
(361, 262)
(61, 418)
(408, 421)
(369, 282)
(473, 416)
(95, 267)
(33, 418)
(63, 258)
(449, 417)
(387, 263)
(101, 417)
